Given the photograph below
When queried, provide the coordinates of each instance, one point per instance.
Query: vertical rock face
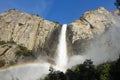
(7, 54)
(92, 23)
(36, 34)
(30, 31)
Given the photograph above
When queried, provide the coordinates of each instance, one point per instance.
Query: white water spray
(31, 71)
(99, 51)
(62, 57)
(34, 71)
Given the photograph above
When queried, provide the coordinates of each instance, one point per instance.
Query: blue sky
(63, 11)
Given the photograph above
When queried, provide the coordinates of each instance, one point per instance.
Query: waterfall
(34, 71)
(62, 58)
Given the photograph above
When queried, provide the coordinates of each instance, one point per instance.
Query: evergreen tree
(71, 75)
(86, 71)
(115, 70)
(56, 75)
(103, 71)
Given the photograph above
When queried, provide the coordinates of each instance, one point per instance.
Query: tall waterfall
(62, 58)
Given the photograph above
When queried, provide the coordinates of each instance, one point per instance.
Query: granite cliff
(25, 37)
(29, 31)
(91, 24)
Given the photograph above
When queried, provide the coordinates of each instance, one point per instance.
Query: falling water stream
(37, 70)
(62, 58)
(98, 51)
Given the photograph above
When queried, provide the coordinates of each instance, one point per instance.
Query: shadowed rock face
(41, 36)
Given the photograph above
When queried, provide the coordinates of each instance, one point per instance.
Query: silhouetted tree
(56, 75)
(115, 70)
(71, 75)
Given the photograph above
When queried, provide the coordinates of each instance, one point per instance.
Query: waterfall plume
(62, 58)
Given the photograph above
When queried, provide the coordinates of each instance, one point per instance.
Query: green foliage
(8, 42)
(56, 22)
(11, 42)
(81, 72)
(23, 51)
(71, 75)
(2, 42)
(11, 9)
(88, 71)
(12, 62)
(57, 75)
(2, 63)
(36, 14)
(115, 70)
(51, 76)
(103, 71)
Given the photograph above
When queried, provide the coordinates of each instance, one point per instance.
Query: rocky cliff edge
(25, 37)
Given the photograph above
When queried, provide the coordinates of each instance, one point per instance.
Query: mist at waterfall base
(38, 69)
(29, 71)
(105, 47)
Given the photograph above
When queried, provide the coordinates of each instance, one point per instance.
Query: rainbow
(56, 67)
